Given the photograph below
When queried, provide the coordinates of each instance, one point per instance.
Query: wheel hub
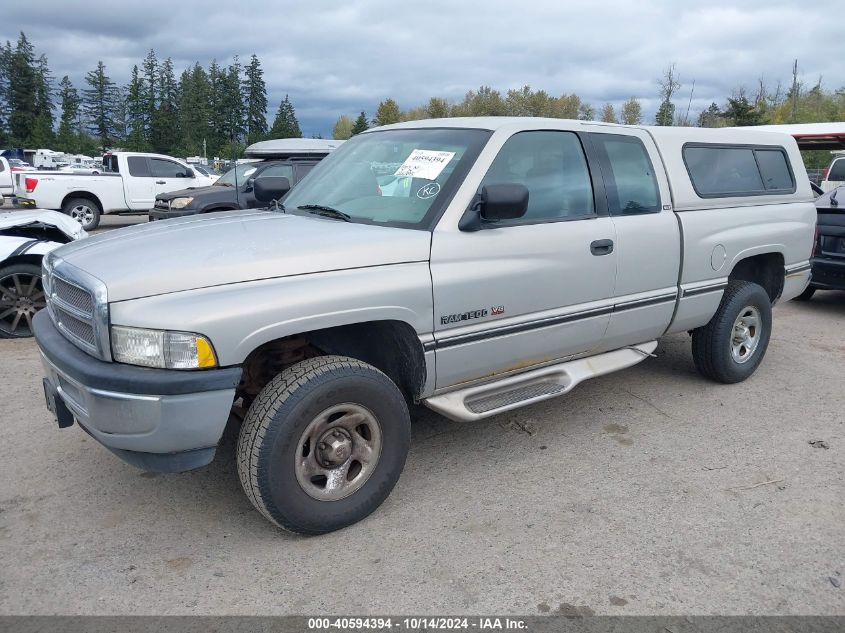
(746, 334)
(334, 448)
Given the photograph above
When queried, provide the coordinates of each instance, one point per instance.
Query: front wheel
(21, 296)
(731, 346)
(84, 211)
(323, 444)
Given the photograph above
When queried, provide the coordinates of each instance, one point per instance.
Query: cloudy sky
(340, 58)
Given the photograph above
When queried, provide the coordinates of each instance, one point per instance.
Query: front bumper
(163, 214)
(828, 274)
(156, 419)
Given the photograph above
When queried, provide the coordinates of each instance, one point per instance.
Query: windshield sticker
(424, 163)
(428, 190)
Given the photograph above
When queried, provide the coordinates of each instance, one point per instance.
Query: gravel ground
(650, 491)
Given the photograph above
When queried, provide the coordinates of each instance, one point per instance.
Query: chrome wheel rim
(338, 451)
(746, 334)
(83, 214)
(21, 296)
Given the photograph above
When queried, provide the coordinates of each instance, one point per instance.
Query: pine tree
(217, 142)
(5, 60)
(99, 105)
(233, 107)
(42, 129)
(285, 124)
(23, 89)
(255, 101)
(194, 109)
(164, 126)
(632, 112)
(387, 112)
(136, 108)
(69, 101)
(342, 128)
(360, 124)
(149, 94)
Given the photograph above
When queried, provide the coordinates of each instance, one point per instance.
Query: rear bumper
(156, 419)
(828, 274)
(23, 202)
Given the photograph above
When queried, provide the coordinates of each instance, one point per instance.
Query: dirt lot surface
(650, 491)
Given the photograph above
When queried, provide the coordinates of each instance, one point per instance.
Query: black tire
(712, 344)
(83, 210)
(271, 438)
(806, 295)
(20, 299)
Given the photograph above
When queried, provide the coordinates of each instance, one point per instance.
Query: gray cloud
(340, 59)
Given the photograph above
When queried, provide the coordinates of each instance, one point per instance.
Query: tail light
(825, 172)
(817, 243)
(31, 184)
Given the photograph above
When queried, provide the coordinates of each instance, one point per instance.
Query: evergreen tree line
(216, 109)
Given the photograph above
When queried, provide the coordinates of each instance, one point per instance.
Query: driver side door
(532, 290)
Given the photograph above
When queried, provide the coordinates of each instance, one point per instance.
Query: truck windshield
(243, 172)
(396, 177)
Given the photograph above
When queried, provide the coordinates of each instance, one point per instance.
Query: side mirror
(270, 188)
(189, 173)
(495, 203)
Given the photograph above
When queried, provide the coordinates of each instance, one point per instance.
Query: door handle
(161, 182)
(601, 247)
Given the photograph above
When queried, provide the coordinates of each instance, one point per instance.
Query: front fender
(240, 317)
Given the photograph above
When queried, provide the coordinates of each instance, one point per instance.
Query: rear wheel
(323, 444)
(84, 211)
(731, 346)
(21, 296)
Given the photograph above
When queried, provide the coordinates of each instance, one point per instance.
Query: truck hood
(202, 251)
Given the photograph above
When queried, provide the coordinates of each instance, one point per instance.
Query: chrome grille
(73, 310)
(77, 328)
(73, 296)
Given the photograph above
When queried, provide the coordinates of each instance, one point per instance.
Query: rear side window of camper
(721, 171)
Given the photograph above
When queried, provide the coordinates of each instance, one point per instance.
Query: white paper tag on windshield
(424, 163)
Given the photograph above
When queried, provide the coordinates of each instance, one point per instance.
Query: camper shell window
(727, 171)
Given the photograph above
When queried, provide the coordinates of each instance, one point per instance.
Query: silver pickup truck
(470, 265)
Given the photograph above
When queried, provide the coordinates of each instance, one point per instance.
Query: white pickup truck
(130, 182)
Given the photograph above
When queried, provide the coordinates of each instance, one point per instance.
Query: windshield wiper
(324, 211)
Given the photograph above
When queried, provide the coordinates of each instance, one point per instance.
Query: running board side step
(513, 392)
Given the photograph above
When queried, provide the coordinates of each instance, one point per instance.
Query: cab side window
(628, 175)
(553, 168)
(166, 169)
(138, 167)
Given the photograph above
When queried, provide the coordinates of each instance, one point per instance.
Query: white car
(834, 175)
(25, 237)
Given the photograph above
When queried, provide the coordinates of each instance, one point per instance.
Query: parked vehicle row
(497, 263)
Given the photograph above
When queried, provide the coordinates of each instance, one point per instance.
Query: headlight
(180, 203)
(160, 348)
